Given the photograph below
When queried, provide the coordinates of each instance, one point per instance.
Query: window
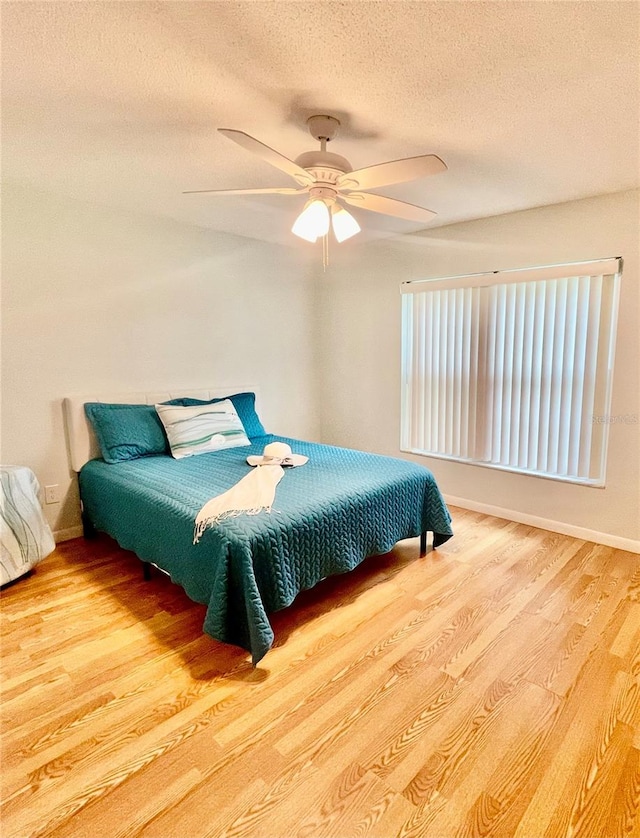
(512, 369)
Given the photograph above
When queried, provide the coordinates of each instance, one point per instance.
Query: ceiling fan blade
(269, 155)
(275, 190)
(388, 206)
(395, 171)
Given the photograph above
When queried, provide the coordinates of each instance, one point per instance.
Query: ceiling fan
(330, 182)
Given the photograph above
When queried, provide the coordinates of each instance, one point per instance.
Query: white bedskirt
(26, 537)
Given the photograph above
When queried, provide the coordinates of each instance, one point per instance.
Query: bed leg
(146, 571)
(423, 544)
(88, 530)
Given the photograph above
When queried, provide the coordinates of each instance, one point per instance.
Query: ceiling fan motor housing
(323, 165)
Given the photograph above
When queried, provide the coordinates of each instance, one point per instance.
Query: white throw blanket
(252, 494)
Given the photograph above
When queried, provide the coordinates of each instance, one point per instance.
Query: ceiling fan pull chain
(325, 252)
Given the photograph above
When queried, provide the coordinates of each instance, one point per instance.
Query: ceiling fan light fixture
(313, 221)
(343, 223)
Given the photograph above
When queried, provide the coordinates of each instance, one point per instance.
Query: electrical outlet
(52, 493)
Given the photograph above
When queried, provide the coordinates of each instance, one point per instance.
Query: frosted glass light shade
(312, 222)
(343, 223)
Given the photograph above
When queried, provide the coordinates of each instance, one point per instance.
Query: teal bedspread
(328, 516)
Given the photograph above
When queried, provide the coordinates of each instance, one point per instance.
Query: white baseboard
(68, 534)
(605, 538)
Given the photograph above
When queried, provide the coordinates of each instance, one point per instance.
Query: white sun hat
(277, 454)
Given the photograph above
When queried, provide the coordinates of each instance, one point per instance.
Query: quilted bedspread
(328, 516)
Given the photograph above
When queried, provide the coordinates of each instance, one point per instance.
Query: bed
(327, 517)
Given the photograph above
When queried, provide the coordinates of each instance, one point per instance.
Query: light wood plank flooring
(488, 689)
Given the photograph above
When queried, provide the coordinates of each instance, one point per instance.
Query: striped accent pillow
(202, 428)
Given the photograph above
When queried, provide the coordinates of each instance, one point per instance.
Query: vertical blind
(512, 369)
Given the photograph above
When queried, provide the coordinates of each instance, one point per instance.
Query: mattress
(328, 516)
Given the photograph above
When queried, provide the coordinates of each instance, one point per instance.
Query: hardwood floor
(491, 688)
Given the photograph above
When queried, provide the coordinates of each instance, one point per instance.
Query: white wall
(360, 348)
(94, 299)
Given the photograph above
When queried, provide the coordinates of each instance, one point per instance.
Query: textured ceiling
(528, 103)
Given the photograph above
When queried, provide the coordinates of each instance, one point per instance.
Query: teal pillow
(245, 405)
(127, 431)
